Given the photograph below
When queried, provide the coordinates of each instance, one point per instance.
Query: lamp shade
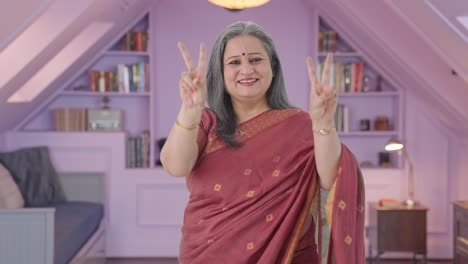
(238, 4)
(393, 145)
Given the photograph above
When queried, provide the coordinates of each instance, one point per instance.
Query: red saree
(252, 204)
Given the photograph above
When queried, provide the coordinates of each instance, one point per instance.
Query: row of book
(138, 150)
(342, 118)
(327, 41)
(126, 79)
(347, 77)
(70, 119)
(134, 41)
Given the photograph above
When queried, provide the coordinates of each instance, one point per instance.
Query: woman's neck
(246, 111)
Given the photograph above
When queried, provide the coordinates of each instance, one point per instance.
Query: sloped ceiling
(117, 12)
(413, 42)
(19, 17)
(405, 54)
(436, 21)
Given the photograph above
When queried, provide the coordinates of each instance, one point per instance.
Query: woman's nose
(247, 69)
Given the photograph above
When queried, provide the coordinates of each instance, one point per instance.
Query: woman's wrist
(189, 117)
(189, 127)
(316, 125)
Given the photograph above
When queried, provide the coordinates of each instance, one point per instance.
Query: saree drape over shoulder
(252, 204)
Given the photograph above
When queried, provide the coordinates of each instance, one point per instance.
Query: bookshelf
(369, 107)
(120, 74)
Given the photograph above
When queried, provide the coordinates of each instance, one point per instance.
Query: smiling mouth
(247, 81)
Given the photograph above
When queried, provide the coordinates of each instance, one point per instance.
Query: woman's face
(247, 69)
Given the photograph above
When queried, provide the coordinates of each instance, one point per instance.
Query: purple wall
(440, 155)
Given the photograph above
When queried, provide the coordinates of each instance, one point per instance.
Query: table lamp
(396, 145)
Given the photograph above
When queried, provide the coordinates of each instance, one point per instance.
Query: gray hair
(219, 100)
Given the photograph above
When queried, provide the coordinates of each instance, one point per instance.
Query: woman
(254, 164)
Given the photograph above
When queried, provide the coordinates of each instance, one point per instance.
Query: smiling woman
(247, 75)
(254, 164)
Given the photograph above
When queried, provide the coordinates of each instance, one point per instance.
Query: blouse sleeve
(206, 128)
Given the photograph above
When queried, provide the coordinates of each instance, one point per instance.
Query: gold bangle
(192, 127)
(324, 132)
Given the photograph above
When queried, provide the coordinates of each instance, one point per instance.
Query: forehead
(243, 44)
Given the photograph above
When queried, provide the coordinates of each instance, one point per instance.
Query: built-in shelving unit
(368, 112)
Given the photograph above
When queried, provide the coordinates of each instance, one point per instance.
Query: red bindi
(243, 54)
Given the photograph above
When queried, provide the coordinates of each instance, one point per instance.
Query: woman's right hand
(193, 90)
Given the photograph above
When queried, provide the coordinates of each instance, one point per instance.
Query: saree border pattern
(252, 127)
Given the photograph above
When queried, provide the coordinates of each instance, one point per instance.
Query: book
(389, 202)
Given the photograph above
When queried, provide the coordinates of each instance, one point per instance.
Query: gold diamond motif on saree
(250, 246)
(277, 158)
(342, 205)
(360, 208)
(247, 171)
(250, 194)
(269, 217)
(348, 240)
(217, 188)
(210, 242)
(276, 173)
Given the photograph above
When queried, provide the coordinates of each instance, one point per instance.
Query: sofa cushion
(36, 177)
(10, 195)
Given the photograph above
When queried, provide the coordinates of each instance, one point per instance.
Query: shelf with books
(124, 74)
(121, 75)
(110, 94)
(368, 112)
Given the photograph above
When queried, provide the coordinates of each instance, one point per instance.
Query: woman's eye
(234, 62)
(255, 59)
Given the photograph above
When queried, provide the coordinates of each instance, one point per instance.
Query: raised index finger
(326, 69)
(202, 58)
(186, 55)
(311, 70)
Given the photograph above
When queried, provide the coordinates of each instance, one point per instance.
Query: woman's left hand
(323, 97)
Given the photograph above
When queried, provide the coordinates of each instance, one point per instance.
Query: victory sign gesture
(323, 97)
(193, 90)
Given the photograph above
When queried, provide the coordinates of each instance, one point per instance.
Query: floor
(142, 261)
(174, 261)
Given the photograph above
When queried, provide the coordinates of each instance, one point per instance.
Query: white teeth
(247, 81)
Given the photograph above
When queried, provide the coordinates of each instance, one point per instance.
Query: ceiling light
(238, 4)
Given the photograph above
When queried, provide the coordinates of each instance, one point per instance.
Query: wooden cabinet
(397, 228)
(460, 232)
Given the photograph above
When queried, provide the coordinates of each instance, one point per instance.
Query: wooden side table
(397, 228)
(460, 232)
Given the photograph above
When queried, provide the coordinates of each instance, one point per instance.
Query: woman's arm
(323, 102)
(180, 152)
(327, 155)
